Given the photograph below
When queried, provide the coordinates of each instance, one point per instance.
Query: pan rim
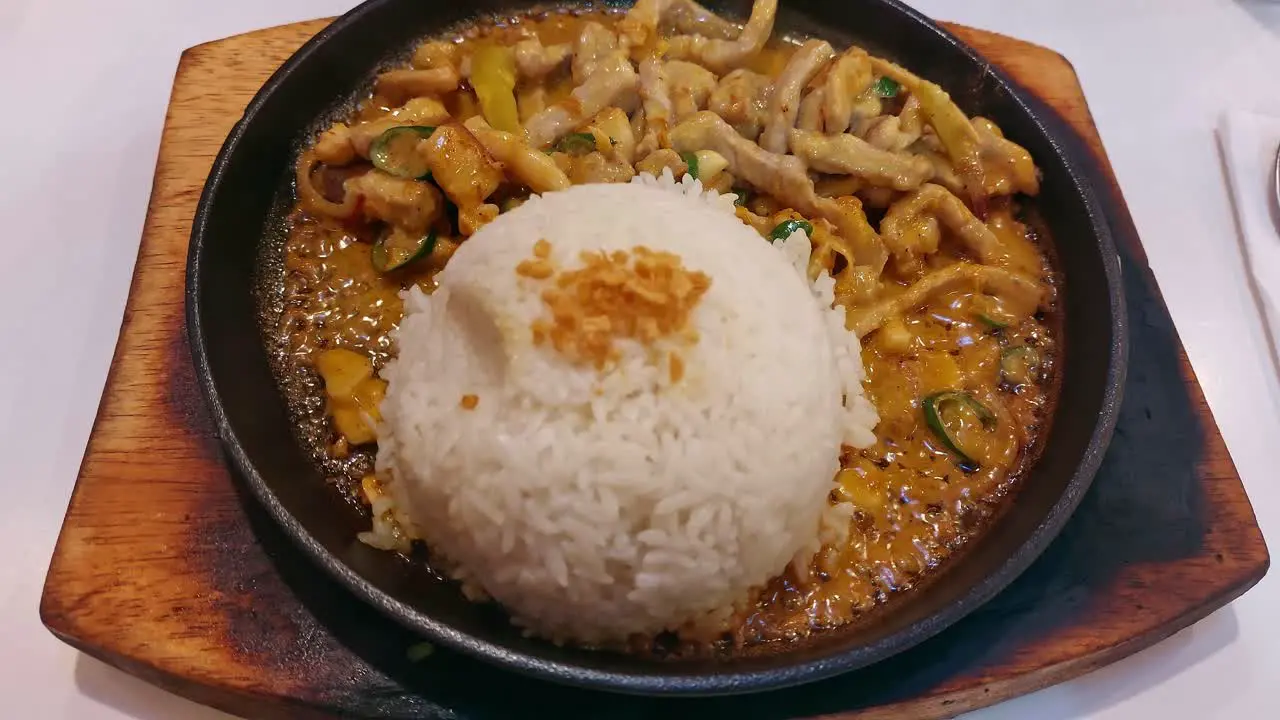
(675, 681)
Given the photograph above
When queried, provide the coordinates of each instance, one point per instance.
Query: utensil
(237, 211)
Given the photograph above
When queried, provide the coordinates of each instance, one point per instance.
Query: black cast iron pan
(236, 214)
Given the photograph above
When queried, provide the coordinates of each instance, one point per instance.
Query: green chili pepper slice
(887, 87)
(787, 227)
(942, 415)
(394, 250)
(690, 160)
(579, 143)
(1019, 365)
(992, 322)
(395, 151)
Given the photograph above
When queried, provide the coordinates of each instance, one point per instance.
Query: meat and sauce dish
(534, 232)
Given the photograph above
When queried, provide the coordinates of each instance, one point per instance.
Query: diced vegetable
(396, 248)
(356, 415)
(576, 144)
(894, 336)
(395, 151)
(1020, 365)
(368, 395)
(342, 370)
(340, 448)
(371, 488)
(887, 87)
(603, 141)
(954, 416)
(354, 393)
(939, 371)
(786, 228)
(743, 196)
(351, 423)
(472, 218)
(857, 490)
(691, 160)
(493, 76)
(710, 165)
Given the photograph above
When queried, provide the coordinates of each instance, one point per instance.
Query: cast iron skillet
(236, 213)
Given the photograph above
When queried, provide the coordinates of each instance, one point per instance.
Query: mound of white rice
(597, 504)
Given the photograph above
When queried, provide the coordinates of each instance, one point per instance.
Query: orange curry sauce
(916, 504)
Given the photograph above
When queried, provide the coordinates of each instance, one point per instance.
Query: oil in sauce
(915, 505)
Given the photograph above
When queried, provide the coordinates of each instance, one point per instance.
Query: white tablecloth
(85, 84)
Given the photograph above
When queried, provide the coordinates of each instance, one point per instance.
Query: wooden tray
(164, 570)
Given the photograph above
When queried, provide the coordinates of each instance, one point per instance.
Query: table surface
(87, 82)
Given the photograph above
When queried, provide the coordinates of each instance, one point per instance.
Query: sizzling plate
(236, 213)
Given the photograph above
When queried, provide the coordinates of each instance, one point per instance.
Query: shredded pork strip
(784, 102)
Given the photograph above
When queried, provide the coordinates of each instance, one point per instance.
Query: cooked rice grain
(595, 504)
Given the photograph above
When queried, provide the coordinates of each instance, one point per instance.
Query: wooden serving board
(164, 570)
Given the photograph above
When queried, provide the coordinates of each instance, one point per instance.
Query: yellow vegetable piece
(342, 370)
(493, 76)
(766, 62)
(894, 336)
(368, 395)
(350, 421)
(858, 490)
(354, 393)
(463, 105)
(710, 164)
(939, 371)
(371, 487)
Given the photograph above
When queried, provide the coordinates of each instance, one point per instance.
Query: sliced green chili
(393, 250)
(691, 161)
(989, 311)
(992, 322)
(939, 410)
(785, 228)
(887, 87)
(579, 143)
(394, 151)
(1019, 365)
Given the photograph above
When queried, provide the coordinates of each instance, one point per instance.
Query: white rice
(594, 505)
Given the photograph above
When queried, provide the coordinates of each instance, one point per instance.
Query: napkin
(1249, 143)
